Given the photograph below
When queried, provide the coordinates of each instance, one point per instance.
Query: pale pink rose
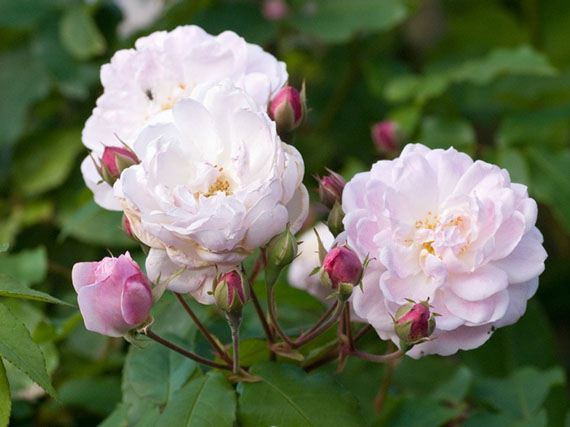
(143, 83)
(299, 274)
(443, 227)
(214, 184)
(113, 294)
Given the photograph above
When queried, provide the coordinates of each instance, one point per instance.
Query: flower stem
(348, 327)
(321, 320)
(273, 316)
(234, 321)
(385, 385)
(185, 352)
(315, 333)
(215, 345)
(378, 358)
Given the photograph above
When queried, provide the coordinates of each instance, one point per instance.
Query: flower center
(438, 234)
(221, 183)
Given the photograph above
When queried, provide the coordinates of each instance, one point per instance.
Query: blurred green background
(491, 78)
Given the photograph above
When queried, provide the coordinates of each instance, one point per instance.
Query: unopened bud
(414, 323)
(386, 136)
(114, 161)
(341, 267)
(231, 292)
(275, 10)
(280, 252)
(288, 109)
(334, 221)
(330, 188)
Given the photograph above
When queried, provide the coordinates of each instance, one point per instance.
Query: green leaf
(53, 158)
(97, 395)
(5, 400)
(18, 94)
(455, 388)
(89, 223)
(205, 401)
(522, 394)
(28, 266)
(336, 21)
(418, 413)
(24, 13)
(17, 346)
(155, 372)
(79, 34)
(9, 287)
(251, 351)
(443, 132)
(4, 247)
(117, 418)
(289, 397)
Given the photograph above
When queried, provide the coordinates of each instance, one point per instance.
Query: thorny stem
(234, 321)
(215, 345)
(185, 352)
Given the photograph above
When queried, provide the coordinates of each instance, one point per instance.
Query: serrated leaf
(208, 401)
(5, 400)
(17, 346)
(10, 287)
(293, 398)
(79, 34)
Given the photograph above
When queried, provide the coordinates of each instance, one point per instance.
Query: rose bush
(214, 184)
(443, 228)
(162, 69)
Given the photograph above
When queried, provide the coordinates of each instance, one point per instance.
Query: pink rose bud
(287, 109)
(231, 292)
(114, 161)
(113, 294)
(414, 323)
(275, 10)
(341, 266)
(330, 188)
(386, 136)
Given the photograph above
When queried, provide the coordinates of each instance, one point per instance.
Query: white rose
(162, 69)
(214, 184)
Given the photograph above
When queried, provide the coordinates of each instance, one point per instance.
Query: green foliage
(9, 287)
(491, 78)
(208, 400)
(318, 402)
(17, 346)
(5, 401)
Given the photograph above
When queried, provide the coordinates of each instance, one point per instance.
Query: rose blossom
(443, 227)
(113, 294)
(142, 83)
(214, 184)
